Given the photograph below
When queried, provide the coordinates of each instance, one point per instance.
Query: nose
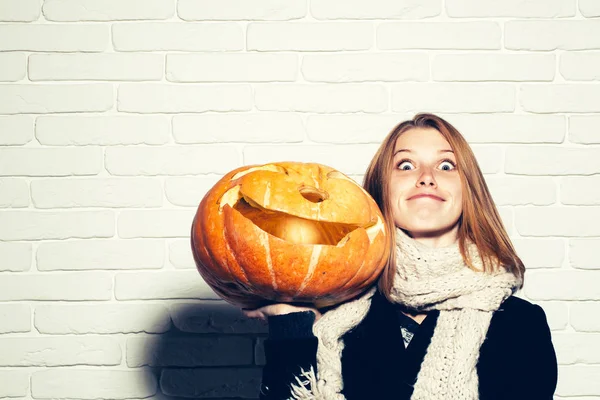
(426, 179)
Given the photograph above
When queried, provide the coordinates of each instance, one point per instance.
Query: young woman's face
(426, 191)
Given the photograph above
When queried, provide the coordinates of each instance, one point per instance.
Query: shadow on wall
(211, 352)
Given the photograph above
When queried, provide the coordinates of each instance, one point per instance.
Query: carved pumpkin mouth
(286, 226)
(292, 228)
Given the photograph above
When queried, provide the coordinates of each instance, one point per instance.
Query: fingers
(254, 314)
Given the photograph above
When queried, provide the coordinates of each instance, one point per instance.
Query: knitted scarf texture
(426, 279)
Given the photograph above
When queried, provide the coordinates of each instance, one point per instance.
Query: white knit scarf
(426, 279)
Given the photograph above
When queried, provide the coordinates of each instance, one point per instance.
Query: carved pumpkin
(288, 232)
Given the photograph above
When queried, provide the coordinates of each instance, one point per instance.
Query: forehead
(422, 139)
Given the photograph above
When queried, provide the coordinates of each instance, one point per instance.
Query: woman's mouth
(426, 196)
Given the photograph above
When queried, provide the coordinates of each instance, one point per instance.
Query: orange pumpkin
(288, 232)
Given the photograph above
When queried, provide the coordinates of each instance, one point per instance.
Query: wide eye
(406, 165)
(447, 166)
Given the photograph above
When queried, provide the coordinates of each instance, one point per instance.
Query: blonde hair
(479, 222)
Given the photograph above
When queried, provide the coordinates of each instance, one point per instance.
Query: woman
(444, 323)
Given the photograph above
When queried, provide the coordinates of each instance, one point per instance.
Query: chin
(426, 229)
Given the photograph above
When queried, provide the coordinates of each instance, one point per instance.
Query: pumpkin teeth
(268, 167)
(230, 197)
(375, 229)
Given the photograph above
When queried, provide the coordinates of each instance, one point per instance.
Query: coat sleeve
(290, 349)
(536, 369)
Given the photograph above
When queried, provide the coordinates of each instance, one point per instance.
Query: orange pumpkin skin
(288, 232)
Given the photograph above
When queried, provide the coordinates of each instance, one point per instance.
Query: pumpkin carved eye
(313, 194)
(288, 232)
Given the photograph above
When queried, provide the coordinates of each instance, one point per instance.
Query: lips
(426, 195)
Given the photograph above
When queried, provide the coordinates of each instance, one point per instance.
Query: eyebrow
(410, 151)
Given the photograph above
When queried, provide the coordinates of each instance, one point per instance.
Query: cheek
(455, 189)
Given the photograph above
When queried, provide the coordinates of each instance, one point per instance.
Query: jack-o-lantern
(288, 232)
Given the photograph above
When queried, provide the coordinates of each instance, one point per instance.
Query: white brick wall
(116, 116)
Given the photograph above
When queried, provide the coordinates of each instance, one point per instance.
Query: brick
(577, 398)
(259, 352)
(551, 160)
(64, 287)
(101, 319)
(15, 383)
(346, 129)
(245, 128)
(171, 160)
(59, 351)
(109, 193)
(489, 158)
(578, 380)
(507, 217)
(153, 98)
(589, 8)
(16, 130)
(580, 66)
(453, 98)
(377, 9)
(563, 285)
(100, 254)
(20, 10)
(92, 384)
(552, 35)
(560, 98)
(16, 257)
(189, 351)
(265, 10)
(246, 67)
(557, 221)
(14, 67)
(14, 318)
(583, 253)
(14, 193)
(33, 225)
(211, 382)
(577, 348)
(540, 253)
(180, 254)
(102, 130)
(580, 190)
(493, 67)
(322, 98)
(509, 128)
(366, 67)
(48, 98)
(173, 36)
(53, 37)
(215, 317)
(583, 129)
(50, 162)
(107, 10)
(99, 67)
(309, 36)
(162, 285)
(350, 159)
(474, 35)
(512, 190)
(557, 314)
(188, 192)
(511, 8)
(582, 316)
(155, 223)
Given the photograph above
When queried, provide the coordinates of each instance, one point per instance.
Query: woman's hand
(264, 312)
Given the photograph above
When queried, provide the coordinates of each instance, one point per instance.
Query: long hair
(479, 222)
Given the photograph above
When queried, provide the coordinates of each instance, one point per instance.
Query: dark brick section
(208, 383)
